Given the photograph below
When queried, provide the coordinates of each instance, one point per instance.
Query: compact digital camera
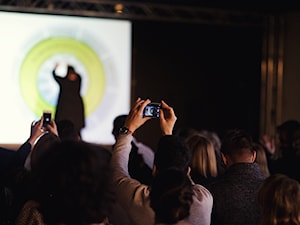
(152, 110)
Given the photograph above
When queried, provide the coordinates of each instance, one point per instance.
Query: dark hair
(70, 69)
(289, 128)
(42, 145)
(172, 152)
(118, 122)
(66, 130)
(171, 196)
(289, 125)
(237, 142)
(73, 184)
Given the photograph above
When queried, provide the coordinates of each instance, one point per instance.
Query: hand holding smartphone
(46, 118)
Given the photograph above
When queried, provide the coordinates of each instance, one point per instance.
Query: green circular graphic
(47, 48)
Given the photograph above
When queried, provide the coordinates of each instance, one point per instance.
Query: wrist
(125, 131)
(165, 132)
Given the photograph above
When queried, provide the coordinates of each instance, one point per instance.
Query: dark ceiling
(236, 5)
(191, 11)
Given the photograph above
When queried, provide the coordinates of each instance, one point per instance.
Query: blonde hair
(279, 199)
(261, 159)
(203, 156)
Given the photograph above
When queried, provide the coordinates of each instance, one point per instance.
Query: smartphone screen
(46, 118)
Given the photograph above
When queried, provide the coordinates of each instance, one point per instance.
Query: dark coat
(235, 195)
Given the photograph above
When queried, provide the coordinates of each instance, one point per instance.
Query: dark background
(209, 74)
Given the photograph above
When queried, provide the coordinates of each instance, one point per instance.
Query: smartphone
(46, 118)
(152, 110)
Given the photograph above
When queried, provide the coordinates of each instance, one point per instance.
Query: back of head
(66, 130)
(118, 123)
(203, 160)
(42, 145)
(279, 199)
(237, 144)
(289, 125)
(73, 184)
(172, 152)
(214, 138)
(171, 196)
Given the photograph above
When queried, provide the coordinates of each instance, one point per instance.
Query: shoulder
(202, 193)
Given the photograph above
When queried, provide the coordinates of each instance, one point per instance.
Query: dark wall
(209, 74)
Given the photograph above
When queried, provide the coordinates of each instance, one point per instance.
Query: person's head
(261, 158)
(214, 138)
(171, 196)
(237, 147)
(71, 73)
(70, 69)
(73, 184)
(118, 123)
(285, 133)
(203, 160)
(41, 146)
(171, 152)
(66, 130)
(186, 132)
(279, 200)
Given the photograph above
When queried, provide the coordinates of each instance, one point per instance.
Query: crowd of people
(192, 177)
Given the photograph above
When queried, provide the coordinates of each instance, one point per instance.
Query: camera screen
(152, 110)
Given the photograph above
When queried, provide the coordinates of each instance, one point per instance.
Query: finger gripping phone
(152, 110)
(46, 118)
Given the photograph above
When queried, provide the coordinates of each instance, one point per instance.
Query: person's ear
(253, 156)
(154, 170)
(224, 158)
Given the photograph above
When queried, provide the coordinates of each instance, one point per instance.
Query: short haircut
(172, 152)
(171, 196)
(118, 122)
(237, 142)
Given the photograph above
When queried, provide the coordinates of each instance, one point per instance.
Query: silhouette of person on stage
(69, 104)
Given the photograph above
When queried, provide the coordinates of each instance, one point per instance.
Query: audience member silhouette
(186, 132)
(171, 197)
(203, 164)
(288, 161)
(141, 156)
(66, 130)
(70, 104)
(171, 152)
(19, 178)
(71, 186)
(12, 165)
(279, 200)
(235, 191)
(215, 139)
